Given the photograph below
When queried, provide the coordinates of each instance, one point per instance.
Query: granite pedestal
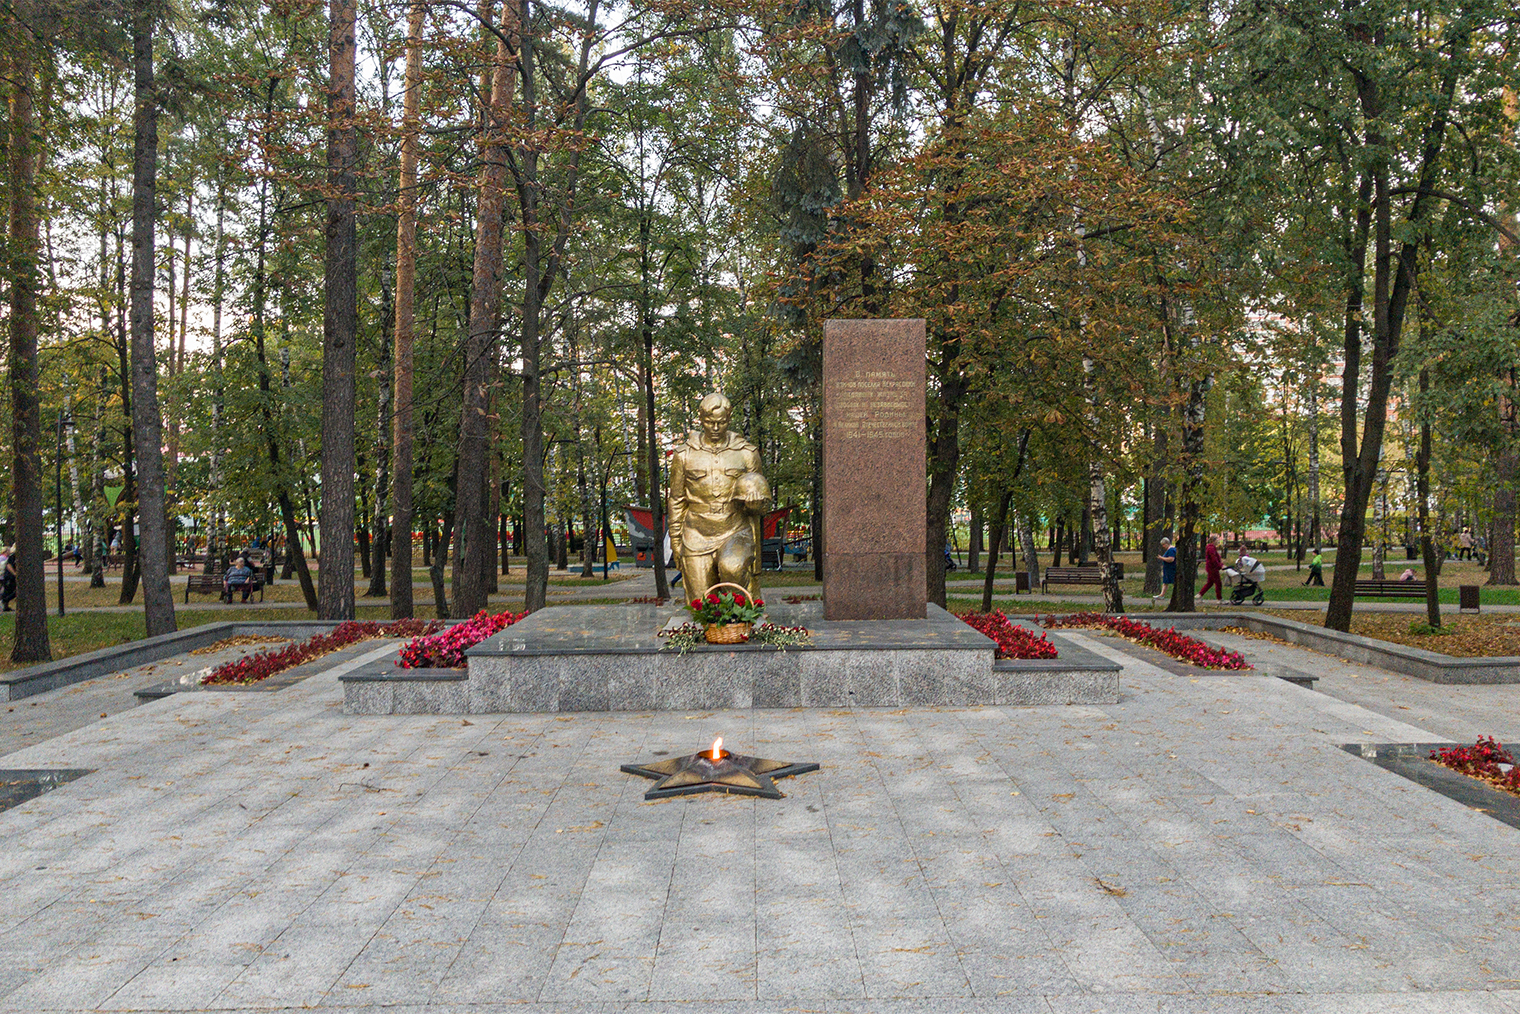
(610, 658)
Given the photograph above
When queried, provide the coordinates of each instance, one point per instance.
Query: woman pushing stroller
(1245, 578)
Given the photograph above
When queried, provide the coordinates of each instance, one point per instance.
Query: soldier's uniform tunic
(713, 539)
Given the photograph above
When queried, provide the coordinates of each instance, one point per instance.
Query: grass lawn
(78, 633)
(1021, 605)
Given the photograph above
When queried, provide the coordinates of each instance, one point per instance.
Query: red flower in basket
(727, 607)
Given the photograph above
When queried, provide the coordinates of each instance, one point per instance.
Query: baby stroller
(1244, 581)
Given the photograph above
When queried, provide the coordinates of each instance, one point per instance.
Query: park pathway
(1202, 845)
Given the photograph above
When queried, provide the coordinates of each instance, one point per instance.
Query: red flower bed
(1013, 641)
(1179, 646)
(446, 650)
(1482, 761)
(264, 664)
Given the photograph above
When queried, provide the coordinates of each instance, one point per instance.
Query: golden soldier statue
(717, 502)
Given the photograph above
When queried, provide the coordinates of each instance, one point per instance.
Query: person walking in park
(1212, 565)
(1465, 544)
(1168, 560)
(1316, 571)
(8, 579)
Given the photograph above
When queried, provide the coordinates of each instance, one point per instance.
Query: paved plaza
(1203, 845)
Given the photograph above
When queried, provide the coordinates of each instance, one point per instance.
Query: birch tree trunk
(1097, 503)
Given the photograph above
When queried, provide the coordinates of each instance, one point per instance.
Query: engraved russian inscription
(875, 404)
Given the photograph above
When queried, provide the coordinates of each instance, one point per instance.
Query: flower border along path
(1486, 760)
(1163, 639)
(1013, 641)
(261, 665)
(446, 650)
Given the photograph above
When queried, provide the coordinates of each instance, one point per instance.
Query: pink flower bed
(1179, 646)
(1486, 760)
(445, 650)
(264, 664)
(1013, 641)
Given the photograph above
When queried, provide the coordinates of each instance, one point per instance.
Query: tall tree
(406, 288)
(31, 643)
(147, 423)
(475, 546)
(340, 324)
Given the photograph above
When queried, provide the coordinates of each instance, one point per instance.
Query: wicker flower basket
(727, 633)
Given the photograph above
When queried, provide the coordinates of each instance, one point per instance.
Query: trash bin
(1411, 553)
(1021, 581)
(1467, 597)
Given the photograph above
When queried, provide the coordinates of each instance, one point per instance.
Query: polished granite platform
(611, 658)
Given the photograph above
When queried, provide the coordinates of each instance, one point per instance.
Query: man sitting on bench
(238, 576)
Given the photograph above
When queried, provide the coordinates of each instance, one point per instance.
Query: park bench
(211, 584)
(1382, 588)
(1092, 574)
(1385, 588)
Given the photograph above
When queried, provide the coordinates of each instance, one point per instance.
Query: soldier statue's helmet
(751, 487)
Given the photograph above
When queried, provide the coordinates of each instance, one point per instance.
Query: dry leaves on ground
(237, 642)
(1470, 637)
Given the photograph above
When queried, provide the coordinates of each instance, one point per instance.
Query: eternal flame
(717, 500)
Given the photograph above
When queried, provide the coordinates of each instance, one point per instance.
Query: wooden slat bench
(211, 584)
(1077, 575)
(1382, 588)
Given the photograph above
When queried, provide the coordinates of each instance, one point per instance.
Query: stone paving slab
(1202, 845)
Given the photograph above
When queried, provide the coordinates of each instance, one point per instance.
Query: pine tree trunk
(476, 542)
(215, 549)
(335, 577)
(147, 424)
(406, 286)
(31, 641)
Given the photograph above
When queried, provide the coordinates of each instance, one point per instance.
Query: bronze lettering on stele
(874, 404)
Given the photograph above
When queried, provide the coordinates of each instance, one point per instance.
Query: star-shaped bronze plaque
(731, 772)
